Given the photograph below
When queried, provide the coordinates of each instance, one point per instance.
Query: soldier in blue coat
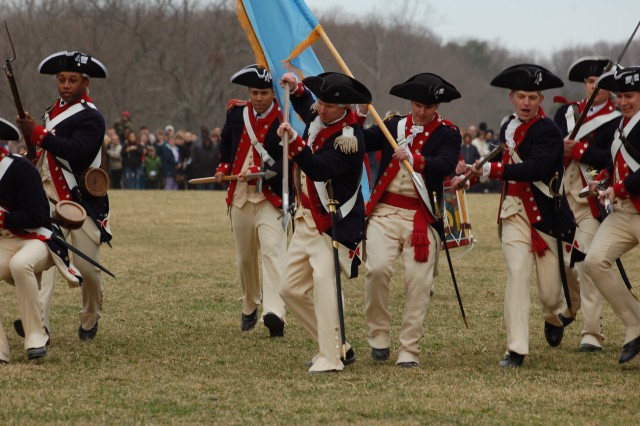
(620, 231)
(26, 248)
(530, 217)
(71, 141)
(589, 151)
(249, 144)
(401, 220)
(331, 149)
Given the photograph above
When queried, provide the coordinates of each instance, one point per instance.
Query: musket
(440, 220)
(285, 161)
(490, 156)
(267, 174)
(333, 212)
(554, 189)
(592, 97)
(8, 70)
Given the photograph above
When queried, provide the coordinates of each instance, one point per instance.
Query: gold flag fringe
(241, 12)
(307, 42)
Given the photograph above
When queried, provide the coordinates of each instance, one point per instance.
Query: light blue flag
(278, 30)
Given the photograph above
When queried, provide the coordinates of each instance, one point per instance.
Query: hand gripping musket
(593, 95)
(555, 190)
(285, 161)
(441, 231)
(333, 212)
(267, 174)
(8, 70)
(490, 156)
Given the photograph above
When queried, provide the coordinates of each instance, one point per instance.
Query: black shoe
(553, 334)
(588, 347)
(17, 325)
(274, 324)
(408, 364)
(380, 354)
(249, 321)
(512, 359)
(351, 358)
(565, 321)
(630, 350)
(87, 334)
(35, 353)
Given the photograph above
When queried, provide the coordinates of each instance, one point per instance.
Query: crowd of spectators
(164, 159)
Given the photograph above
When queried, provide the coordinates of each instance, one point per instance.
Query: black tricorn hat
(621, 80)
(255, 76)
(427, 89)
(527, 77)
(8, 132)
(588, 66)
(337, 88)
(74, 62)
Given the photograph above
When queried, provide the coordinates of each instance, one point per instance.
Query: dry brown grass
(169, 349)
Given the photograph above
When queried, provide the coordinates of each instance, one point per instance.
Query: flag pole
(417, 178)
(285, 162)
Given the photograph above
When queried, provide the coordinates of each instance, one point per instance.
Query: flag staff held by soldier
(331, 149)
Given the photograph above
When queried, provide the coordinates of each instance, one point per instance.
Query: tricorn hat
(527, 77)
(337, 88)
(8, 132)
(588, 66)
(255, 76)
(427, 89)
(74, 62)
(621, 80)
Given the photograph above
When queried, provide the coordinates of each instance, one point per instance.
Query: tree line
(169, 61)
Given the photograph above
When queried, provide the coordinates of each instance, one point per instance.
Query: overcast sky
(542, 26)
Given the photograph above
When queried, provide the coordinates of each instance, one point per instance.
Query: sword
(440, 221)
(333, 203)
(554, 189)
(58, 239)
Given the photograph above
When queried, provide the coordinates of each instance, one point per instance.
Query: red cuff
(38, 135)
(296, 146)
(497, 170)
(299, 90)
(620, 190)
(578, 150)
(604, 174)
(223, 168)
(2, 226)
(419, 163)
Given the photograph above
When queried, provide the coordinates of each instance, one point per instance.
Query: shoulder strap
(264, 155)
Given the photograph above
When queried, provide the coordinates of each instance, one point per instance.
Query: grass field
(169, 349)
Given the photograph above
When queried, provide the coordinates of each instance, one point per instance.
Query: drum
(95, 181)
(457, 227)
(69, 214)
